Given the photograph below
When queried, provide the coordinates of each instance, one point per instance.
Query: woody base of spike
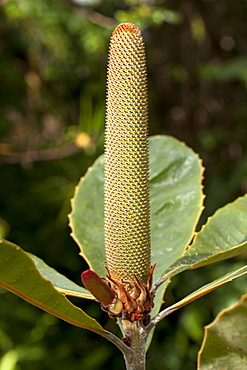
(136, 298)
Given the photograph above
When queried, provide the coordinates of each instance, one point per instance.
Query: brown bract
(137, 301)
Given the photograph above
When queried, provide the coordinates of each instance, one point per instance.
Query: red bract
(98, 287)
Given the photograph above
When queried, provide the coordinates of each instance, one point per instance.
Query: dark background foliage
(53, 56)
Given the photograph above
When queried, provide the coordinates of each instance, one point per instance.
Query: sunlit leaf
(224, 236)
(225, 341)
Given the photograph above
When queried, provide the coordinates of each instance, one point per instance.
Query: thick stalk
(137, 334)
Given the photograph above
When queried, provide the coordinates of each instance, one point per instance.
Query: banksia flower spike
(127, 230)
(127, 210)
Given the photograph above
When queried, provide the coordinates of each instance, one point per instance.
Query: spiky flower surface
(127, 211)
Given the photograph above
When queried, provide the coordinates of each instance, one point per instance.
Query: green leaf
(176, 199)
(225, 342)
(197, 294)
(87, 217)
(59, 281)
(19, 274)
(224, 236)
(175, 188)
(209, 288)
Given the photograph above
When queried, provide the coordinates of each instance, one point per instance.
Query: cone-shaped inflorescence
(127, 211)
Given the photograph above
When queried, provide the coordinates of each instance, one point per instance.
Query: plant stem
(127, 352)
(138, 337)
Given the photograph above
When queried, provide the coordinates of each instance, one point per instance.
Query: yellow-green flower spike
(127, 210)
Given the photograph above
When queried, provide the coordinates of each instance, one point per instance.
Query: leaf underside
(59, 281)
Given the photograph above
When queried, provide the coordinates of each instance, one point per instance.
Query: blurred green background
(53, 56)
